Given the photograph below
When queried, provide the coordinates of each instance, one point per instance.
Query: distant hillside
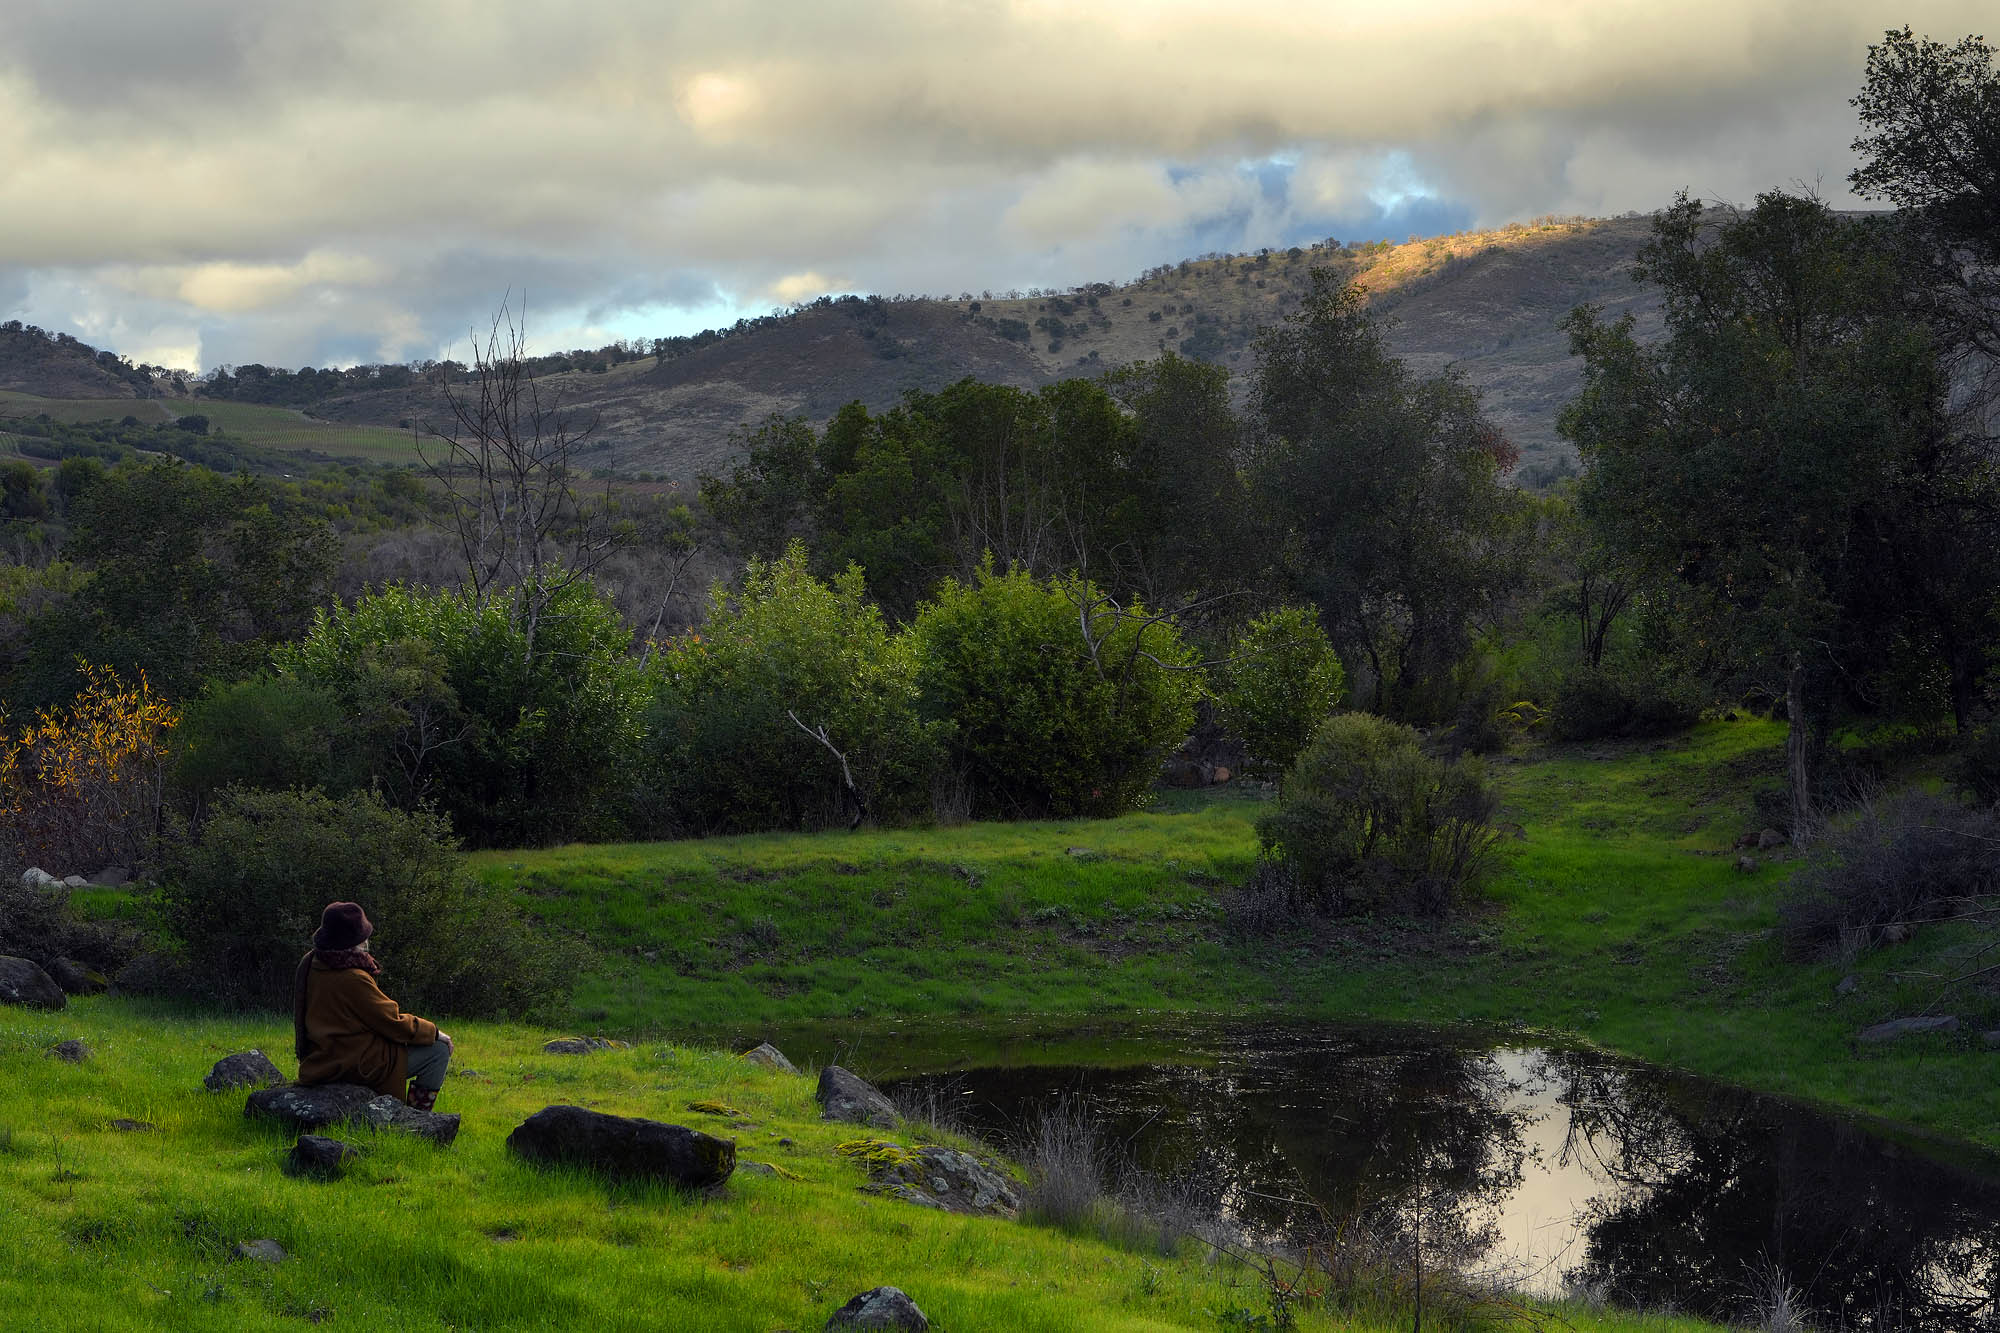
(56, 365)
(1486, 302)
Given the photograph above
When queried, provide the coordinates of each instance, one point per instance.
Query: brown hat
(342, 926)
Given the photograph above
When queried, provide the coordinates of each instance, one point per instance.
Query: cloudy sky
(329, 181)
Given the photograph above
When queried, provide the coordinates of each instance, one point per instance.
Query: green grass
(284, 428)
(71, 411)
(131, 1230)
(1619, 919)
(269, 427)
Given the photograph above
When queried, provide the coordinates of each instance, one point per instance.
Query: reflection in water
(1549, 1169)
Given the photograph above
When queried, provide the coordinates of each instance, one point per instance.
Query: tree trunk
(1800, 751)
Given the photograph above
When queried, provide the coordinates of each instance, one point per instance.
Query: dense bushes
(519, 736)
(244, 899)
(724, 750)
(1914, 859)
(1060, 703)
(1594, 703)
(1280, 681)
(1370, 823)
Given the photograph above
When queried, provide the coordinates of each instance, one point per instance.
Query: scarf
(335, 959)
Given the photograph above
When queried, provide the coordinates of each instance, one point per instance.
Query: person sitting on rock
(345, 1030)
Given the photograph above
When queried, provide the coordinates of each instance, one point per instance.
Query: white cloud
(340, 181)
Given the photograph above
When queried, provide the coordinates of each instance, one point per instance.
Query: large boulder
(22, 982)
(324, 1105)
(34, 877)
(880, 1307)
(934, 1177)
(767, 1056)
(624, 1147)
(77, 979)
(848, 1097)
(245, 1069)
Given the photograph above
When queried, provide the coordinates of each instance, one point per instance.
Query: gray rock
(848, 1097)
(259, 1251)
(756, 1169)
(1991, 1040)
(302, 1109)
(945, 1178)
(770, 1057)
(1903, 1027)
(21, 982)
(134, 1126)
(76, 979)
(575, 1046)
(1746, 864)
(75, 882)
(386, 1112)
(624, 1147)
(1847, 985)
(112, 876)
(319, 1157)
(71, 1052)
(881, 1307)
(245, 1069)
(34, 877)
(1770, 839)
(327, 1104)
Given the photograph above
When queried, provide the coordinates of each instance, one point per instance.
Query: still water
(1547, 1169)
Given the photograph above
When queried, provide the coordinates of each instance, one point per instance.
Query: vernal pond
(1546, 1171)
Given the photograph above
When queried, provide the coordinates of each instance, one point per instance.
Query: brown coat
(356, 1034)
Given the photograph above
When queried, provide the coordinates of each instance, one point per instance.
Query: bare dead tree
(503, 460)
(853, 793)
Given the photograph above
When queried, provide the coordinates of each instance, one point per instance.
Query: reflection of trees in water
(1394, 1137)
(1708, 1186)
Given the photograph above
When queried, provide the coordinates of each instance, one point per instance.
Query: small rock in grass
(1903, 1027)
(262, 1251)
(245, 1069)
(76, 979)
(848, 1097)
(881, 1307)
(578, 1045)
(714, 1108)
(320, 1157)
(1746, 864)
(134, 1126)
(22, 982)
(71, 1052)
(1770, 839)
(1847, 985)
(770, 1057)
(756, 1169)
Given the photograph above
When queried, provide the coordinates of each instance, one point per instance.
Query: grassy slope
(269, 427)
(119, 1230)
(1620, 919)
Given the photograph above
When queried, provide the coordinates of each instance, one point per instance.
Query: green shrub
(244, 898)
(1978, 764)
(271, 732)
(724, 751)
(519, 739)
(1370, 823)
(1280, 682)
(1594, 703)
(1048, 717)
